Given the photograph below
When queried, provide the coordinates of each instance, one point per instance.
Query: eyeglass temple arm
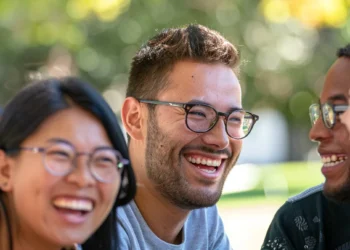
(175, 104)
(341, 108)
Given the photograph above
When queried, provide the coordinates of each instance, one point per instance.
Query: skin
(335, 141)
(40, 225)
(169, 186)
(345, 118)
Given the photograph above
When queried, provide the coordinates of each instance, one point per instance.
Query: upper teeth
(84, 205)
(332, 160)
(203, 161)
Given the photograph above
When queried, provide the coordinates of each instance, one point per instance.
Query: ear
(5, 172)
(131, 115)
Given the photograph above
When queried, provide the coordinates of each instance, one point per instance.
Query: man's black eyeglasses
(201, 118)
(328, 111)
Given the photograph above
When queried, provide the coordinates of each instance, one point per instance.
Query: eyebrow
(339, 97)
(195, 101)
(60, 140)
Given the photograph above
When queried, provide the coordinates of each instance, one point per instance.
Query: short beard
(340, 195)
(168, 177)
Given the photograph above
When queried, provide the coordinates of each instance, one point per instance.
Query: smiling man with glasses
(319, 218)
(185, 121)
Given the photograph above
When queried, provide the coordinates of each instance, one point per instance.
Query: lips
(73, 210)
(333, 165)
(331, 160)
(75, 204)
(209, 166)
(205, 161)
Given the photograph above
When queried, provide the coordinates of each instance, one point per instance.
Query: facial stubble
(165, 169)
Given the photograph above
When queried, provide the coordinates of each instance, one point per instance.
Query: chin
(73, 238)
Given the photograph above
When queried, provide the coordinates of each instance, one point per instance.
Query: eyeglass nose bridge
(74, 164)
(217, 118)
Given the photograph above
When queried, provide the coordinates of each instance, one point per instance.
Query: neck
(164, 218)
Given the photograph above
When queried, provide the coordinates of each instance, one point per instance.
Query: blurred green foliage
(276, 183)
(286, 46)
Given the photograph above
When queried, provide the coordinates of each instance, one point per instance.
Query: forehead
(73, 124)
(215, 84)
(337, 81)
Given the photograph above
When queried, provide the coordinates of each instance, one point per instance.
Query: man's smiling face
(189, 168)
(334, 144)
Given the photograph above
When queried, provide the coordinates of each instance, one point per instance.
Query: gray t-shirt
(203, 230)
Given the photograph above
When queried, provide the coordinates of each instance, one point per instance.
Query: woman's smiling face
(53, 210)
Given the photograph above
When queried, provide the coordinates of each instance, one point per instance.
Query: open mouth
(73, 206)
(206, 165)
(333, 160)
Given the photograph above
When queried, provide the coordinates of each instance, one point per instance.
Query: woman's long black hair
(34, 104)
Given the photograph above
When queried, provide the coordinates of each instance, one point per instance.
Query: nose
(81, 174)
(319, 132)
(217, 136)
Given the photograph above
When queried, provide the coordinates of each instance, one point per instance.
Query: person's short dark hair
(31, 106)
(155, 59)
(344, 52)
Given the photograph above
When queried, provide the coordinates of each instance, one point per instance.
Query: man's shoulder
(206, 223)
(128, 216)
(308, 195)
(208, 219)
(307, 200)
(127, 213)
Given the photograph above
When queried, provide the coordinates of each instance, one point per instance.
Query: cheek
(345, 119)
(31, 185)
(175, 134)
(108, 193)
(236, 146)
(341, 135)
(34, 195)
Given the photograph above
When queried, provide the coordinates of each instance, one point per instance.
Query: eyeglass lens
(328, 114)
(59, 160)
(201, 118)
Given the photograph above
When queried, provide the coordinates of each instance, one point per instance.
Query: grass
(276, 183)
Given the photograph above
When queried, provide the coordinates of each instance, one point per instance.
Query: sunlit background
(286, 48)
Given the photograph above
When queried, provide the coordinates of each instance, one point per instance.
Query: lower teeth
(207, 170)
(331, 164)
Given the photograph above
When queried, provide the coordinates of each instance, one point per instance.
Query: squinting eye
(236, 117)
(235, 120)
(197, 113)
(105, 160)
(58, 154)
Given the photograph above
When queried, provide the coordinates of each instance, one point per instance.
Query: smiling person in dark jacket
(319, 218)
